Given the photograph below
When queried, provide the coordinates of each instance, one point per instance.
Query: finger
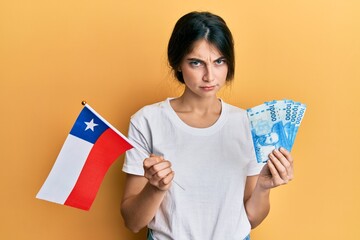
(276, 179)
(154, 169)
(280, 170)
(160, 166)
(285, 162)
(162, 181)
(287, 154)
(158, 170)
(152, 160)
(286, 159)
(161, 174)
(168, 179)
(148, 164)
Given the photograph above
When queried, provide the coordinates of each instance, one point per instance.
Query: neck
(189, 102)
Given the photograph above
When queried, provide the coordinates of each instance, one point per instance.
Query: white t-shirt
(211, 164)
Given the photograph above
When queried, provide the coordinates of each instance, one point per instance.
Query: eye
(220, 61)
(195, 63)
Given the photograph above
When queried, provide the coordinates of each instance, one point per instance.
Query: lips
(208, 88)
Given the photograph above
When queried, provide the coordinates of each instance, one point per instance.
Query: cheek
(222, 74)
(192, 75)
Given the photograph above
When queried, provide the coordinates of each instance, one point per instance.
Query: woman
(220, 190)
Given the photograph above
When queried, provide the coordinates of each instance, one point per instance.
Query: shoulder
(235, 112)
(148, 112)
(237, 117)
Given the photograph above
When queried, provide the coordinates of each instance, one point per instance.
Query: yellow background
(53, 54)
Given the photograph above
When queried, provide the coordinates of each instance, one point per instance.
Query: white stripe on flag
(66, 170)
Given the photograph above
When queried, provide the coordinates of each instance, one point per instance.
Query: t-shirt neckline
(198, 131)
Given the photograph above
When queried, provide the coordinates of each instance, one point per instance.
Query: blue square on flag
(88, 126)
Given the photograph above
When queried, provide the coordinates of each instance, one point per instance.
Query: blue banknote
(274, 124)
(299, 116)
(284, 108)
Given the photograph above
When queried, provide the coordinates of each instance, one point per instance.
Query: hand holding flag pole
(146, 156)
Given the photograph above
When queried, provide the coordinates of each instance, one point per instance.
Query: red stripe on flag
(105, 151)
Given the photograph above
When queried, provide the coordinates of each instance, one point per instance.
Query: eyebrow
(195, 59)
(200, 60)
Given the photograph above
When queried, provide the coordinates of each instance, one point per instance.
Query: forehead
(204, 50)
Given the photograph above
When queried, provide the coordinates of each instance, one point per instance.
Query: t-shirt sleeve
(134, 158)
(254, 169)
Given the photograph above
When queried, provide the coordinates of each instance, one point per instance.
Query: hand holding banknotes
(279, 169)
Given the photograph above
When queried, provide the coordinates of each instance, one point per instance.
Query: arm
(143, 195)
(278, 171)
(257, 202)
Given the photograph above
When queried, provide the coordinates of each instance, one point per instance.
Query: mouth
(208, 88)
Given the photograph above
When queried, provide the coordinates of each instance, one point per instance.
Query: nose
(209, 74)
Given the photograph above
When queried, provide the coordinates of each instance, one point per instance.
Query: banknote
(299, 116)
(274, 124)
(284, 108)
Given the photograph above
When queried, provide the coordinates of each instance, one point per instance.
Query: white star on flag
(90, 125)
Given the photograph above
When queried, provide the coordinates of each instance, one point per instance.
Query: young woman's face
(204, 69)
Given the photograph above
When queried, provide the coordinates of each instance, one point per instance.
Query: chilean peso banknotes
(274, 124)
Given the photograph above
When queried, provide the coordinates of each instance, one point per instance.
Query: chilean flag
(88, 152)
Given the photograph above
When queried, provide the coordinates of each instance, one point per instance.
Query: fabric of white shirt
(211, 164)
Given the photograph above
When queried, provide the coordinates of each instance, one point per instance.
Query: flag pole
(84, 103)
